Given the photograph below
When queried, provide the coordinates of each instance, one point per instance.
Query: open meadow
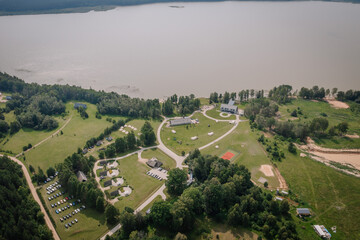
(181, 140)
(251, 153)
(314, 109)
(74, 136)
(134, 172)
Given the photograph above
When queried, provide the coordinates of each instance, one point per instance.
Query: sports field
(229, 155)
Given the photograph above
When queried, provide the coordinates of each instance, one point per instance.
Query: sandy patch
(127, 192)
(117, 182)
(352, 136)
(113, 173)
(267, 170)
(112, 165)
(337, 104)
(344, 158)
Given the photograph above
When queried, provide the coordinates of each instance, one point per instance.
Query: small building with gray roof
(180, 121)
(81, 176)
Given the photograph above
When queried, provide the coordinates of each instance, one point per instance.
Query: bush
(292, 148)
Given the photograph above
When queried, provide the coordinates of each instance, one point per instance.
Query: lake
(156, 50)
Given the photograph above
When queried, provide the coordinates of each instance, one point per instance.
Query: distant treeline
(53, 6)
(34, 104)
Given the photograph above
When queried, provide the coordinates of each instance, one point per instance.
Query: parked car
(66, 226)
(57, 212)
(76, 220)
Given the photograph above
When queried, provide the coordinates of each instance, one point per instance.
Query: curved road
(36, 197)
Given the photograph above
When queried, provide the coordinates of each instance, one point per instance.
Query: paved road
(178, 159)
(44, 140)
(36, 197)
(159, 192)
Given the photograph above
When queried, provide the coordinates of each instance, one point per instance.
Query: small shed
(81, 176)
(114, 193)
(8, 97)
(102, 163)
(211, 133)
(107, 183)
(85, 151)
(154, 163)
(303, 212)
(98, 143)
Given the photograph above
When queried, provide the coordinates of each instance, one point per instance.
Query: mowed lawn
(168, 162)
(91, 223)
(76, 133)
(215, 113)
(137, 123)
(333, 196)
(335, 116)
(201, 130)
(252, 155)
(143, 185)
(27, 135)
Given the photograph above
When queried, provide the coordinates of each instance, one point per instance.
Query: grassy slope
(332, 195)
(91, 223)
(135, 174)
(251, 155)
(201, 130)
(27, 135)
(312, 110)
(76, 133)
(168, 162)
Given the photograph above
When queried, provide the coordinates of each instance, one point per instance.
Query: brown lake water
(155, 51)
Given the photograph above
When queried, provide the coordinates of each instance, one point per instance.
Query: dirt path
(281, 179)
(36, 197)
(44, 140)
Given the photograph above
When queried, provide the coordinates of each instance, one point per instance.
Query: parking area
(158, 173)
(65, 207)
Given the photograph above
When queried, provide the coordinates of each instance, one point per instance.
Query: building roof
(303, 211)
(103, 162)
(107, 183)
(180, 121)
(104, 173)
(114, 193)
(154, 163)
(85, 150)
(231, 102)
(81, 176)
(229, 107)
(77, 105)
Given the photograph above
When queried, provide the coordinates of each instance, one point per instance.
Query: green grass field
(312, 110)
(27, 135)
(200, 130)
(215, 113)
(137, 123)
(91, 223)
(168, 162)
(252, 155)
(76, 133)
(332, 195)
(134, 172)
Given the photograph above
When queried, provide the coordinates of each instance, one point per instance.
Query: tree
(235, 215)
(284, 207)
(176, 182)
(120, 145)
(4, 126)
(334, 91)
(213, 197)
(14, 127)
(226, 97)
(131, 140)
(266, 184)
(167, 108)
(50, 172)
(127, 221)
(31, 169)
(100, 204)
(327, 92)
(292, 148)
(111, 214)
(319, 124)
(160, 214)
(343, 127)
(147, 137)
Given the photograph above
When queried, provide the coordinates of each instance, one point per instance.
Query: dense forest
(20, 215)
(51, 6)
(222, 192)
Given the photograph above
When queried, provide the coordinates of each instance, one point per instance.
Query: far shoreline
(103, 8)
